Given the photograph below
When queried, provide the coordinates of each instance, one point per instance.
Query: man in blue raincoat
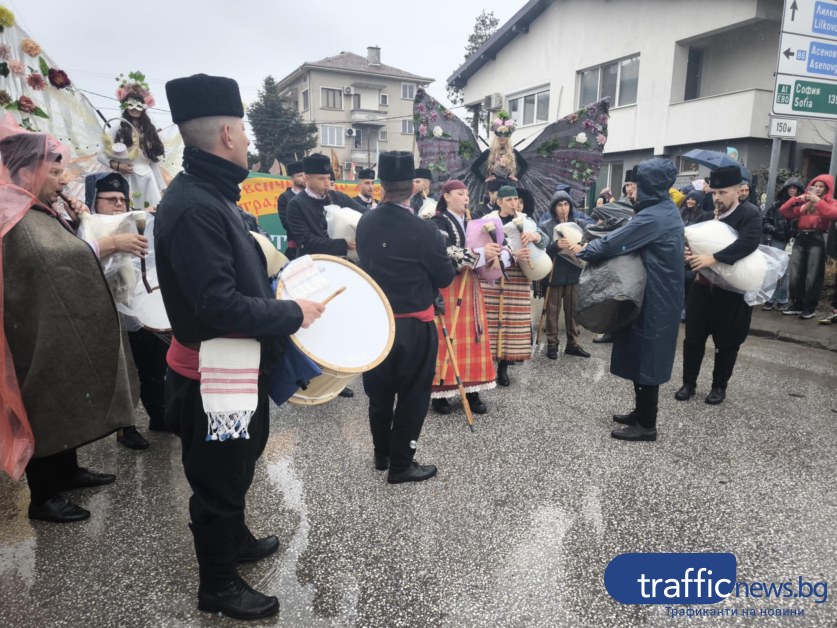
(643, 351)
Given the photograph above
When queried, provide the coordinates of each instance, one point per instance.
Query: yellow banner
(259, 192)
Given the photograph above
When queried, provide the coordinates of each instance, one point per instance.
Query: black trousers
(149, 353)
(723, 315)
(647, 400)
(46, 475)
(807, 269)
(219, 473)
(399, 391)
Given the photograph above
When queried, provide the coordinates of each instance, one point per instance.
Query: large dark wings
(568, 151)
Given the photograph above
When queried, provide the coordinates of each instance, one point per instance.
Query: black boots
(716, 396)
(58, 510)
(414, 473)
(477, 404)
(503, 373)
(221, 588)
(687, 391)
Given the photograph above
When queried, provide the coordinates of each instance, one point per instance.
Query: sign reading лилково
(806, 73)
(260, 193)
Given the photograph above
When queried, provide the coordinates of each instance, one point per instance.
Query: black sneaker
(808, 314)
(792, 310)
(767, 307)
(781, 307)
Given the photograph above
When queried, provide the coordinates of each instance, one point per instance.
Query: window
(305, 103)
(530, 108)
(358, 138)
(694, 70)
(382, 135)
(331, 135)
(331, 98)
(407, 127)
(408, 91)
(355, 101)
(617, 80)
(384, 100)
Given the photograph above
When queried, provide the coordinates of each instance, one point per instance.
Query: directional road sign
(806, 72)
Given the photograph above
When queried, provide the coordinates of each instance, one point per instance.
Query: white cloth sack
(341, 224)
(707, 238)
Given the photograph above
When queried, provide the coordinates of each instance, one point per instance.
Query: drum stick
(334, 294)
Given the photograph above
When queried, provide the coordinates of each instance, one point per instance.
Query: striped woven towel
(229, 369)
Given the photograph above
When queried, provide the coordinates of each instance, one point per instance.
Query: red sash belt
(183, 360)
(425, 316)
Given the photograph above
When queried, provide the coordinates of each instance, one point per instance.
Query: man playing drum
(407, 258)
(214, 286)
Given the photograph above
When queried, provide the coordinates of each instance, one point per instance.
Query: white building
(360, 105)
(680, 75)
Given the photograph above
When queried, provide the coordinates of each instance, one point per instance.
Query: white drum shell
(354, 334)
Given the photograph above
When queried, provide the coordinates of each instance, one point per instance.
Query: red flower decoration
(59, 78)
(36, 81)
(25, 104)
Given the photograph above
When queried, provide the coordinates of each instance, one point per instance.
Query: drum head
(149, 308)
(357, 329)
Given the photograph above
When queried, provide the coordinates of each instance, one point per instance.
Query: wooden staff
(500, 318)
(454, 321)
(545, 301)
(491, 231)
(440, 321)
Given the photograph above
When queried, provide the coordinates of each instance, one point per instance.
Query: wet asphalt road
(516, 530)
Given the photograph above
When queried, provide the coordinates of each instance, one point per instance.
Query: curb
(805, 341)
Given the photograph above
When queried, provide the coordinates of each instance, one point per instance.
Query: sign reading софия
(806, 74)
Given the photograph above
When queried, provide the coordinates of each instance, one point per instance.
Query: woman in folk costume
(466, 322)
(501, 160)
(508, 302)
(136, 149)
(64, 368)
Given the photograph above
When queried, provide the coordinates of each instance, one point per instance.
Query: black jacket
(211, 271)
(366, 206)
(282, 209)
(774, 224)
(747, 222)
(405, 255)
(306, 220)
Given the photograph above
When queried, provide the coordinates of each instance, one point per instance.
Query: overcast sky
(95, 40)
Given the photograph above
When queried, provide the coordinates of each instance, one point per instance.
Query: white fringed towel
(229, 369)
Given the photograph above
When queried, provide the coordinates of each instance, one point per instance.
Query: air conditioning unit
(351, 132)
(348, 90)
(493, 102)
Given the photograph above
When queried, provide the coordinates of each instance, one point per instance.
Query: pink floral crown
(503, 121)
(134, 88)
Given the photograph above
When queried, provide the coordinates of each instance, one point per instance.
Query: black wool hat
(424, 173)
(316, 163)
(113, 183)
(295, 167)
(630, 175)
(725, 177)
(494, 185)
(203, 96)
(396, 165)
(366, 173)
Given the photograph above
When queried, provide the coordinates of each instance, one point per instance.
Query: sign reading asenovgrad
(806, 72)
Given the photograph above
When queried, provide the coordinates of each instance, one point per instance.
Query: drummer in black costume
(407, 257)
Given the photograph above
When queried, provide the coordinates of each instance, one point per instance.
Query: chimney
(373, 55)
